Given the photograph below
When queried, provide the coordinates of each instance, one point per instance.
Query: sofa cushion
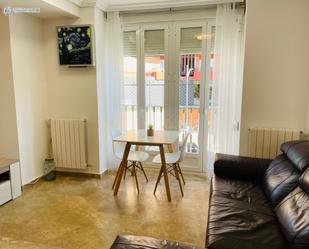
(241, 217)
(304, 181)
(140, 242)
(298, 153)
(241, 191)
(280, 179)
(293, 216)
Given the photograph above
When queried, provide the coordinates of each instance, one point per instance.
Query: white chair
(135, 158)
(172, 161)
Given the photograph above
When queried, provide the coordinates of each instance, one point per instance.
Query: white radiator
(266, 142)
(69, 143)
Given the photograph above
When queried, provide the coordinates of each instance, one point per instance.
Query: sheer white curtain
(227, 87)
(114, 81)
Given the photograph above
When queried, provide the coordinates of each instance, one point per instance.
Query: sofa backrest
(293, 214)
(280, 178)
(286, 184)
(298, 153)
(283, 174)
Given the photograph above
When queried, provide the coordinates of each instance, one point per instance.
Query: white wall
(45, 90)
(28, 63)
(306, 135)
(276, 73)
(8, 126)
(100, 27)
(72, 92)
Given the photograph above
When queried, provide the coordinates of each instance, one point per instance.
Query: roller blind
(154, 42)
(190, 41)
(129, 43)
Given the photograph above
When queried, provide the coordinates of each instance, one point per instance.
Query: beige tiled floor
(82, 213)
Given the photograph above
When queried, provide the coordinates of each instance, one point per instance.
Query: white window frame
(172, 25)
(140, 42)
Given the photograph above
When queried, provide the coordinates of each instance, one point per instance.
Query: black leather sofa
(254, 204)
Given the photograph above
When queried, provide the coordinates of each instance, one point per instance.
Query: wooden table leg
(122, 167)
(116, 175)
(165, 174)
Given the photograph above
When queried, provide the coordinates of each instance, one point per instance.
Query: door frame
(172, 28)
(203, 92)
(210, 24)
(141, 82)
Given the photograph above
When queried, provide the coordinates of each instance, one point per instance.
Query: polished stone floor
(82, 213)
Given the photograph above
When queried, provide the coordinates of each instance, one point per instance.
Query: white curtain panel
(227, 87)
(114, 81)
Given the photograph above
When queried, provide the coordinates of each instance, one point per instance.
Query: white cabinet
(5, 192)
(15, 180)
(10, 180)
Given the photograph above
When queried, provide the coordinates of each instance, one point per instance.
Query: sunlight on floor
(82, 213)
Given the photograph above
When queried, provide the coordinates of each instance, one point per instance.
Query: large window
(165, 80)
(129, 102)
(190, 84)
(154, 59)
(144, 76)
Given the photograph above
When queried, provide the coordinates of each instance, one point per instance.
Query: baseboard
(80, 174)
(66, 173)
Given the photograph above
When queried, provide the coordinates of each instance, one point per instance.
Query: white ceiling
(116, 2)
(70, 8)
(189, 2)
(151, 4)
(47, 10)
(123, 5)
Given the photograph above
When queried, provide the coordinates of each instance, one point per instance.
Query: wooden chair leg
(158, 180)
(142, 169)
(178, 178)
(125, 173)
(179, 169)
(134, 173)
(122, 167)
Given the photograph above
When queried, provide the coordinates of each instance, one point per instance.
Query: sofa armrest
(240, 168)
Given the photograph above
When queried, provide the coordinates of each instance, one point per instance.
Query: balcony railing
(129, 117)
(192, 126)
(155, 116)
